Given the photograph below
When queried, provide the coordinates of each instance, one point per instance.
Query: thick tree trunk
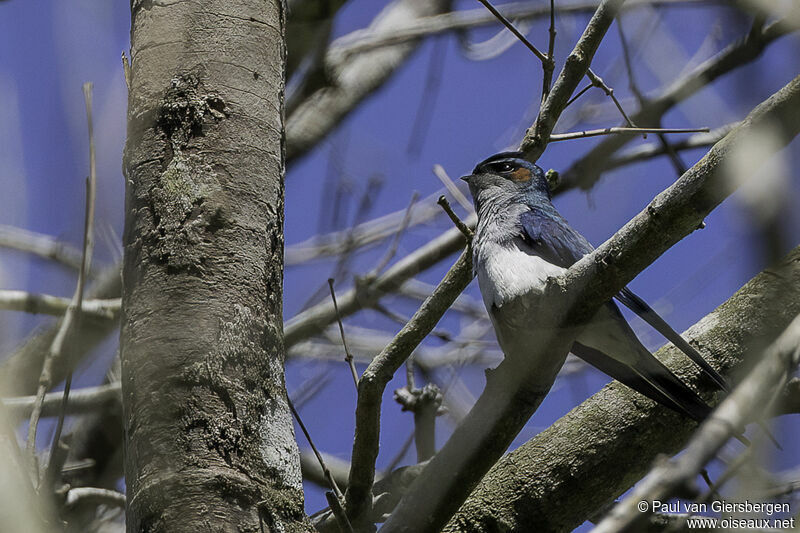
(209, 438)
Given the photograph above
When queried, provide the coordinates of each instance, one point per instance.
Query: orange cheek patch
(521, 174)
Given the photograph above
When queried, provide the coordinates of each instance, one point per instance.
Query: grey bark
(209, 438)
(601, 448)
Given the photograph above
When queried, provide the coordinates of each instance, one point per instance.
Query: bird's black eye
(503, 167)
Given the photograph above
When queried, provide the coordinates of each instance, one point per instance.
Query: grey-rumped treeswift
(519, 242)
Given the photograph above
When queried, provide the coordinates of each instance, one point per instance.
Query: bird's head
(507, 174)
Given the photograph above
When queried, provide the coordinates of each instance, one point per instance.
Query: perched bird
(519, 242)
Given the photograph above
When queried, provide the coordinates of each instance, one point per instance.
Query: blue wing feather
(552, 238)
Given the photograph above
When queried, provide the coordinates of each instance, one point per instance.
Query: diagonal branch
(570, 471)
(514, 390)
(745, 403)
(378, 374)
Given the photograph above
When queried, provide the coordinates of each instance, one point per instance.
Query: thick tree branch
(378, 374)
(574, 468)
(514, 390)
(746, 402)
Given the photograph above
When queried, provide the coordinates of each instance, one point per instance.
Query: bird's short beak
(467, 178)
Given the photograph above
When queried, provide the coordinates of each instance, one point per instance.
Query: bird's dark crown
(511, 166)
(500, 163)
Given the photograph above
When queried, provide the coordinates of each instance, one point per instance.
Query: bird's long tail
(650, 378)
(641, 308)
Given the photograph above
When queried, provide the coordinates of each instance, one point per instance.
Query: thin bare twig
(392, 250)
(507, 23)
(579, 94)
(647, 151)
(72, 315)
(447, 181)
(598, 82)
(621, 131)
(338, 497)
(463, 228)
(550, 66)
(728, 474)
(53, 466)
(348, 357)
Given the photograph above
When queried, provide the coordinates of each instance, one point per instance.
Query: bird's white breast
(504, 272)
